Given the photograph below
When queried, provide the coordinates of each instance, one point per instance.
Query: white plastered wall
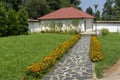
(34, 27)
(112, 27)
(66, 25)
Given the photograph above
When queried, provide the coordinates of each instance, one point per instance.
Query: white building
(65, 19)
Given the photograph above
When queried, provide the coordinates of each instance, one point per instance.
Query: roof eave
(65, 18)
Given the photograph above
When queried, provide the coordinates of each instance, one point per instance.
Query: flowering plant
(95, 49)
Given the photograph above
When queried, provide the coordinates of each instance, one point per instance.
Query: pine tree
(89, 10)
(12, 22)
(97, 15)
(3, 20)
(22, 21)
(116, 10)
(108, 10)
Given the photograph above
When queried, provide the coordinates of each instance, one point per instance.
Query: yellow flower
(30, 67)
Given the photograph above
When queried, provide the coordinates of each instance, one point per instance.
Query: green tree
(89, 10)
(12, 22)
(15, 4)
(44, 8)
(68, 3)
(97, 15)
(80, 8)
(37, 8)
(3, 21)
(108, 10)
(116, 10)
(75, 3)
(24, 2)
(23, 22)
(53, 4)
(56, 4)
(64, 3)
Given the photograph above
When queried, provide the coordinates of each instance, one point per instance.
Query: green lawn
(111, 51)
(17, 52)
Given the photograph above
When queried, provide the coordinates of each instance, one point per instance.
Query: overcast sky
(86, 3)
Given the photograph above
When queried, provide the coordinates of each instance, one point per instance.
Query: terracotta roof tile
(66, 13)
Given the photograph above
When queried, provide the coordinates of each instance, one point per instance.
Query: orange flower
(37, 69)
(95, 49)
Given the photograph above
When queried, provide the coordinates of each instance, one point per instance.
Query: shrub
(11, 23)
(38, 69)
(105, 31)
(95, 50)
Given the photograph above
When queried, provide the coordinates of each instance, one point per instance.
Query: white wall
(34, 27)
(45, 24)
(89, 24)
(112, 27)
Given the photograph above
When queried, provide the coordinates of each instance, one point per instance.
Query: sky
(86, 3)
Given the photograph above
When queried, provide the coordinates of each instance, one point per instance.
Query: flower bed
(95, 50)
(38, 69)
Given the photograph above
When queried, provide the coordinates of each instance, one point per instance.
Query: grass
(111, 50)
(17, 52)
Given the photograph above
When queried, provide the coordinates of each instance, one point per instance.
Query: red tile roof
(66, 13)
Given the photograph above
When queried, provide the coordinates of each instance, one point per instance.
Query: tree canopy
(97, 15)
(108, 10)
(116, 10)
(111, 10)
(37, 8)
(15, 4)
(89, 10)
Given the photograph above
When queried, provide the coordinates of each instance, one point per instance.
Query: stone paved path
(75, 65)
